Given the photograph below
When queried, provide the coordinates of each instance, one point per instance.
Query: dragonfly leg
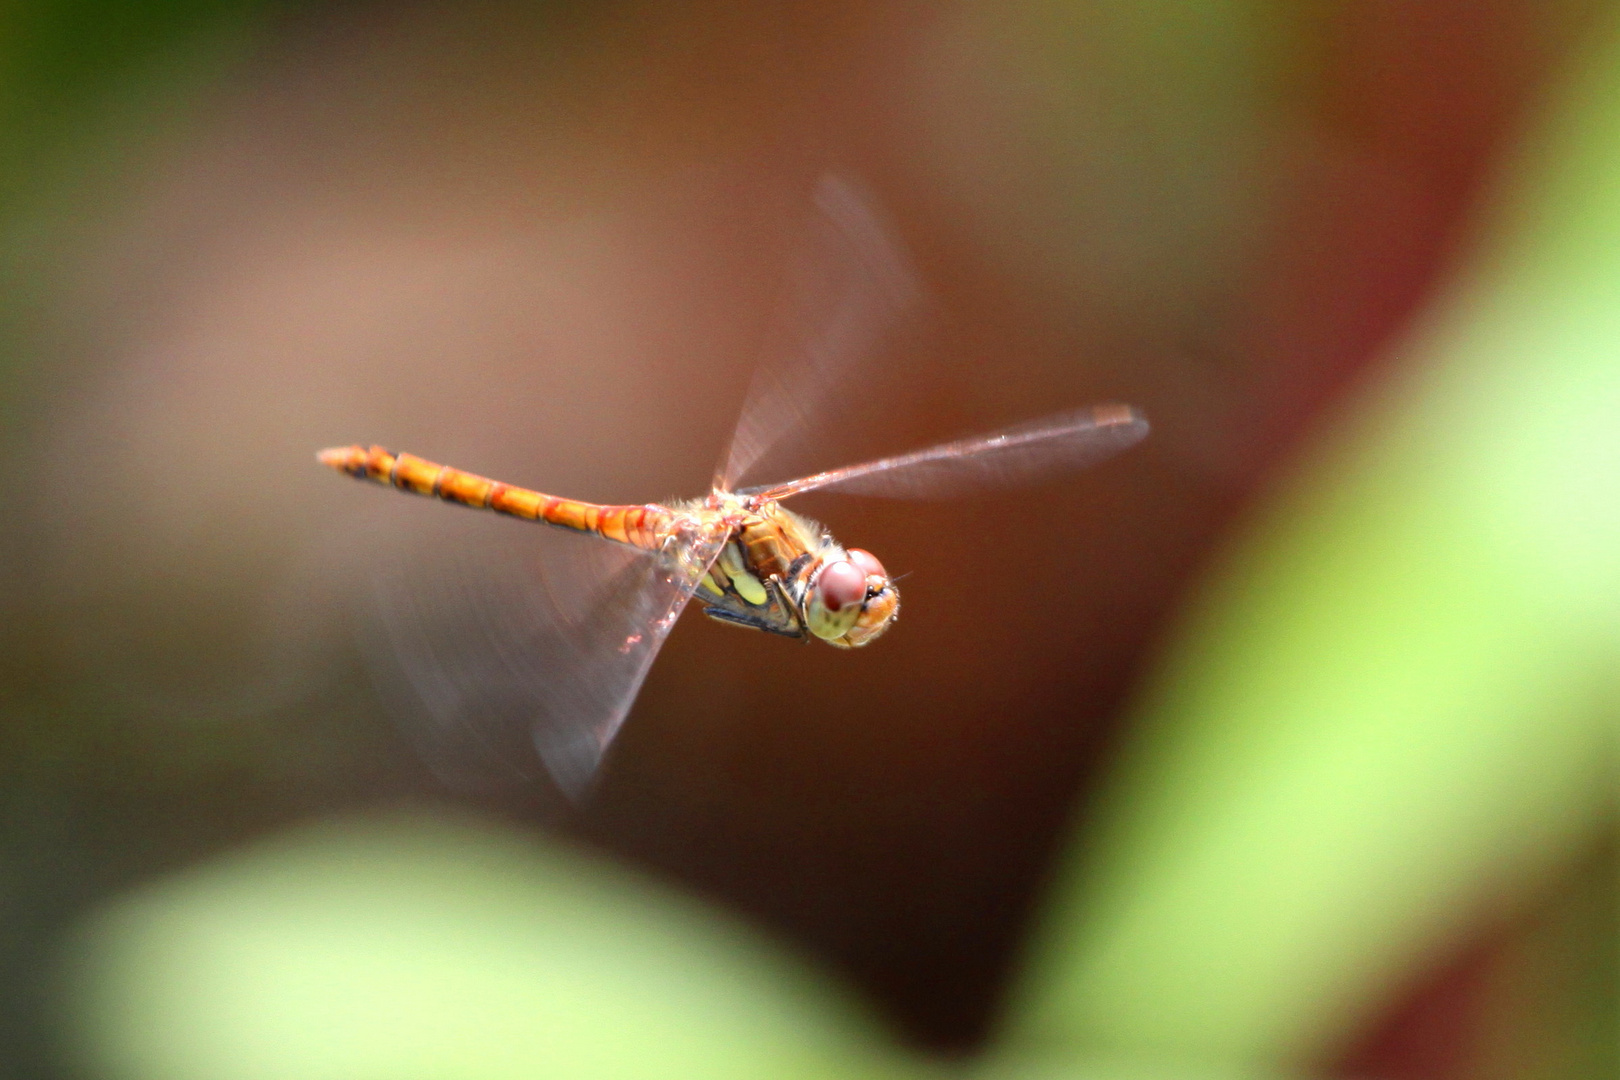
(784, 596)
(720, 614)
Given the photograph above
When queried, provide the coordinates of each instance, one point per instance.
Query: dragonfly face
(851, 601)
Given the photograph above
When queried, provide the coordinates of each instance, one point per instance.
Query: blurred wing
(509, 659)
(1027, 453)
(849, 289)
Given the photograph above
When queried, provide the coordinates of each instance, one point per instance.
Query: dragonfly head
(851, 600)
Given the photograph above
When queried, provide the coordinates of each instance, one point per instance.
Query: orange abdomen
(639, 526)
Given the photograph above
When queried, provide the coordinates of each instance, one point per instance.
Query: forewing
(523, 649)
(849, 288)
(1026, 453)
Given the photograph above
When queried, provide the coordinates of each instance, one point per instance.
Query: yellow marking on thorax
(749, 587)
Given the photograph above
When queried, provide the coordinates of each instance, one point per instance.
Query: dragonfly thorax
(783, 573)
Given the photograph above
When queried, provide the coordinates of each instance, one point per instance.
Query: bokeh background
(1280, 745)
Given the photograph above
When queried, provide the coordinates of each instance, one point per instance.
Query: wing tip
(1116, 415)
(1114, 412)
(574, 762)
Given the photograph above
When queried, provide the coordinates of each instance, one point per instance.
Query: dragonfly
(747, 559)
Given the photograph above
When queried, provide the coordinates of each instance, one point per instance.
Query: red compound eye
(867, 562)
(841, 584)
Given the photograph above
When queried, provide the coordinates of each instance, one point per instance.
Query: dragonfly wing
(529, 654)
(850, 287)
(1026, 453)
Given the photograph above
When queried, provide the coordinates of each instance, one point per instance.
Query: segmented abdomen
(639, 526)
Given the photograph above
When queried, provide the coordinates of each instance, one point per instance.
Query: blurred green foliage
(1391, 717)
(85, 87)
(60, 62)
(62, 55)
(420, 947)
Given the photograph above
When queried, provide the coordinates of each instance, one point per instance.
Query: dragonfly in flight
(738, 551)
